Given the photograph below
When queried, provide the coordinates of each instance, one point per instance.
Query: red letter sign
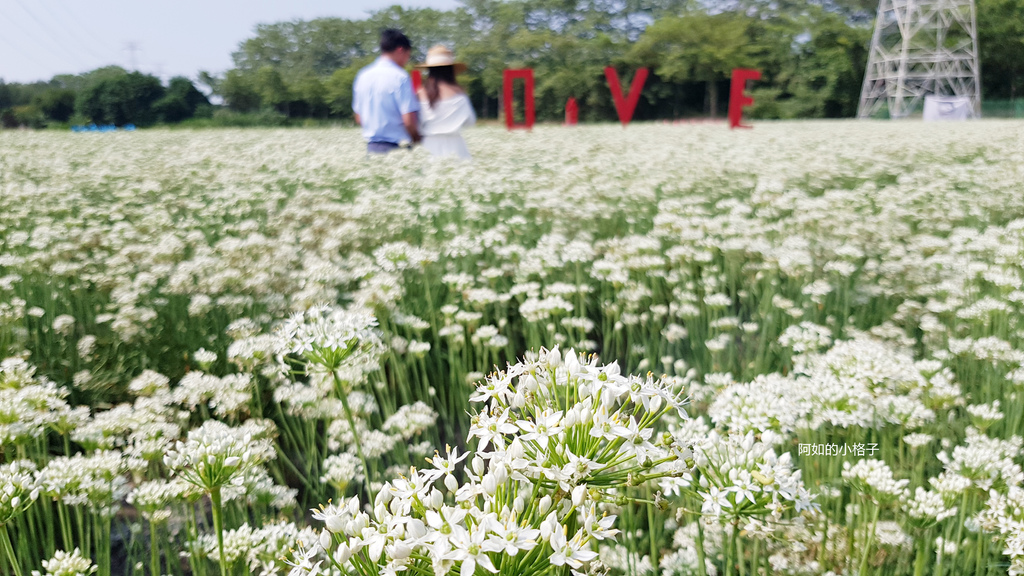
(527, 75)
(737, 100)
(572, 112)
(417, 80)
(625, 107)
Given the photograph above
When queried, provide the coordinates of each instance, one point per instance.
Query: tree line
(812, 54)
(109, 95)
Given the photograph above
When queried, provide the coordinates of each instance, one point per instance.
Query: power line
(75, 18)
(73, 32)
(29, 55)
(53, 36)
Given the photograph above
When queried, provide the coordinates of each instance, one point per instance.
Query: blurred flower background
(592, 351)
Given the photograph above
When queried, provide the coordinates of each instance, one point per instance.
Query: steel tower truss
(919, 48)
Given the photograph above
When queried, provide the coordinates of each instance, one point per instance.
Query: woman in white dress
(444, 107)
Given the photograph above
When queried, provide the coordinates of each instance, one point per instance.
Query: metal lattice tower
(920, 48)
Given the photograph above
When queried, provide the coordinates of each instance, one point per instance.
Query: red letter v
(625, 107)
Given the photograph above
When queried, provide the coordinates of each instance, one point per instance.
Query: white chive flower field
(669, 350)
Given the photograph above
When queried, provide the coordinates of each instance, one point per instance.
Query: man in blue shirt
(383, 100)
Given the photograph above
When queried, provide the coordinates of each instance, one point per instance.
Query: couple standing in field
(390, 112)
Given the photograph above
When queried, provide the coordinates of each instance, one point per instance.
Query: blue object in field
(104, 128)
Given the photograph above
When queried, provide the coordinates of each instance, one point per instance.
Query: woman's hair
(437, 75)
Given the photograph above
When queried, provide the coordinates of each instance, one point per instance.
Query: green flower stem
(701, 567)
(740, 559)
(104, 562)
(870, 540)
(757, 556)
(921, 557)
(65, 524)
(355, 439)
(218, 527)
(5, 542)
(197, 568)
(154, 550)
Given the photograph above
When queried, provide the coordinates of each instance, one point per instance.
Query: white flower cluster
(67, 564)
(875, 478)
(1004, 515)
(983, 461)
(558, 438)
(328, 337)
(97, 480)
(742, 476)
(19, 488)
(864, 382)
(769, 403)
(30, 406)
(228, 395)
(153, 498)
(216, 455)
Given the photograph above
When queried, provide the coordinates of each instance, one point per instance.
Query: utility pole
(132, 48)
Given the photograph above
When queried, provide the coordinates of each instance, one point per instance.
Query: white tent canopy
(947, 108)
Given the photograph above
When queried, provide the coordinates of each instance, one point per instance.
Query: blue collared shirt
(381, 93)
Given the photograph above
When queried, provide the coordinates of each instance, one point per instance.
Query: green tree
(696, 47)
(310, 94)
(239, 91)
(180, 101)
(122, 99)
(1001, 47)
(56, 104)
(273, 90)
(339, 91)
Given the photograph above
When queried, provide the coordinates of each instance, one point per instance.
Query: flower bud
(549, 526)
(335, 524)
(515, 450)
(325, 539)
(343, 553)
(478, 466)
(554, 358)
(519, 504)
(544, 505)
(572, 362)
(500, 473)
(416, 528)
(571, 418)
(451, 483)
(232, 461)
(490, 484)
(656, 403)
(401, 551)
(578, 494)
(584, 391)
(359, 523)
(436, 499)
(519, 400)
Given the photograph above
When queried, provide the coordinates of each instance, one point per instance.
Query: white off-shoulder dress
(442, 123)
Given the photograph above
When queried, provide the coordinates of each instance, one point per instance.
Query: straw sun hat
(441, 56)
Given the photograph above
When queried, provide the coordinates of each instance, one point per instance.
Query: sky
(42, 38)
